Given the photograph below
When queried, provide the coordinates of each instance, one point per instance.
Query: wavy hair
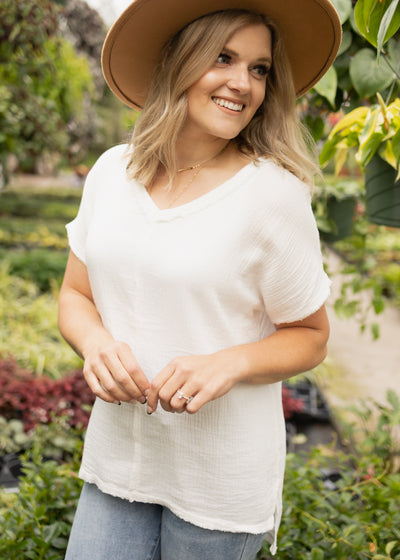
(275, 130)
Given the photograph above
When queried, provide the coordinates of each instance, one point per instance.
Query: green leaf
(343, 8)
(389, 25)
(347, 39)
(396, 146)
(393, 399)
(371, 137)
(375, 331)
(51, 531)
(393, 50)
(378, 304)
(327, 86)
(368, 15)
(355, 117)
(386, 153)
(368, 78)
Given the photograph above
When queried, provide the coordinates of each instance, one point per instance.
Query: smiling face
(224, 100)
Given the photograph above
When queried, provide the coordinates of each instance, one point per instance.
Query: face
(224, 100)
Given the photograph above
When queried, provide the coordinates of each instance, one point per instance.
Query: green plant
(41, 204)
(13, 438)
(338, 506)
(29, 327)
(330, 192)
(36, 522)
(371, 130)
(43, 267)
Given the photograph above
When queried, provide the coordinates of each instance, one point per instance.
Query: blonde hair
(275, 130)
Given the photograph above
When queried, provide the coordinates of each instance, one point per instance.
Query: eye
(261, 70)
(224, 58)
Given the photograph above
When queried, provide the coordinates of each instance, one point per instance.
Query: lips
(238, 107)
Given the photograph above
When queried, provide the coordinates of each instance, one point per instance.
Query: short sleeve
(77, 230)
(294, 284)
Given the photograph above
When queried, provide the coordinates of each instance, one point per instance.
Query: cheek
(260, 94)
(258, 97)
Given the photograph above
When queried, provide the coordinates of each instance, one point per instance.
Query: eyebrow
(265, 59)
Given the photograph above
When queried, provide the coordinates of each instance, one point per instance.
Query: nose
(239, 79)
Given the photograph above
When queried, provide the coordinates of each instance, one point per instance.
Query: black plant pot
(382, 193)
(10, 471)
(341, 213)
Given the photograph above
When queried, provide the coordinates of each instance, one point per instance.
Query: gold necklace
(197, 167)
(186, 186)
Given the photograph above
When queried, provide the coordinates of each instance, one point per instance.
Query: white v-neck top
(215, 272)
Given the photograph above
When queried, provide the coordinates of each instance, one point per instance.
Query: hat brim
(311, 30)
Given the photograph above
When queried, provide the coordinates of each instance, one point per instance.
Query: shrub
(29, 328)
(45, 268)
(342, 507)
(51, 204)
(36, 522)
(38, 400)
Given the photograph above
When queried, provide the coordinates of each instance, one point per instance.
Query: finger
(120, 380)
(97, 389)
(156, 386)
(109, 384)
(182, 397)
(131, 365)
(198, 401)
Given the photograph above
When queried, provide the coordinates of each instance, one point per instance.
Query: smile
(228, 104)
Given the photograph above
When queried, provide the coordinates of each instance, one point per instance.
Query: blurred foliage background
(55, 109)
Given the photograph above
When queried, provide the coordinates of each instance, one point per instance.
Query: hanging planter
(341, 215)
(334, 207)
(374, 131)
(382, 193)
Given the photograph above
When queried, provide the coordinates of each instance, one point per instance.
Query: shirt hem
(205, 523)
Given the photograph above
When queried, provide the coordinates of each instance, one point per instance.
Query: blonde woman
(195, 283)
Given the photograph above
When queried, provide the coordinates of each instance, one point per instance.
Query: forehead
(254, 39)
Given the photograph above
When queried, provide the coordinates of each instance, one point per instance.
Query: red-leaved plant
(38, 400)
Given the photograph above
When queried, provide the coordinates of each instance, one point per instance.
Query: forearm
(285, 353)
(80, 323)
(293, 348)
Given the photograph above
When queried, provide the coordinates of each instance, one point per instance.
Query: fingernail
(146, 393)
(143, 400)
(149, 410)
(118, 403)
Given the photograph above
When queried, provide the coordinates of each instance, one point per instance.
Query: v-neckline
(197, 204)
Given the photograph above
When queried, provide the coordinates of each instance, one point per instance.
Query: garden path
(357, 366)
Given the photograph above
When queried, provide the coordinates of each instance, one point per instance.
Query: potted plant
(334, 205)
(375, 132)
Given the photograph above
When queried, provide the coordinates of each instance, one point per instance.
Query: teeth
(228, 104)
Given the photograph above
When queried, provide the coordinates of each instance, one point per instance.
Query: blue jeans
(106, 527)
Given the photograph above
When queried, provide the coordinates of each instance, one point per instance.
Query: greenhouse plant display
(375, 132)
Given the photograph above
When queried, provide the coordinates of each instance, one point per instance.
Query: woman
(194, 283)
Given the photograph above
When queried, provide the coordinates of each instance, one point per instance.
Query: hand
(205, 378)
(113, 374)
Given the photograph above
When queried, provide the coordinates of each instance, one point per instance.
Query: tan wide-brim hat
(311, 30)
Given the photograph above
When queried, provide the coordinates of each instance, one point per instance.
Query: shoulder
(108, 174)
(277, 192)
(112, 158)
(279, 183)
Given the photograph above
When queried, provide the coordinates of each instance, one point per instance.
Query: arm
(110, 369)
(291, 349)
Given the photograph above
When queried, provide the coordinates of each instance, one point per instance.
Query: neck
(191, 155)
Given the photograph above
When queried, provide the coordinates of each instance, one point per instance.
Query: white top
(210, 274)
